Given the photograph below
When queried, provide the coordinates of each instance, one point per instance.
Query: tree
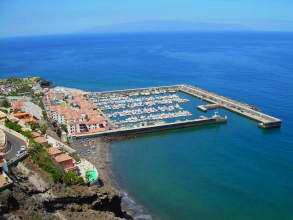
(34, 126)
(12, 125)
(64, 127)
(44, 128)
(27, 134)
(5, 103)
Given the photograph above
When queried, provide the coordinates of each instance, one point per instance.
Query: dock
(265, 121)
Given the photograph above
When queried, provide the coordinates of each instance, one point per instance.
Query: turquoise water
(233, 171)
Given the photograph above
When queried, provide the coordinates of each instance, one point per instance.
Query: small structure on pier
(207, 107)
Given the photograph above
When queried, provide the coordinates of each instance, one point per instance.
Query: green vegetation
(38, 153)
(16, 127)
(39, 127)
(41, 104)
(5, 111)
(34, 126)
(37, 99)
(64, 127)
(71, 178)
(20, 85)
(41, 157)
(5, 103)
(27, 134)
(13, 126)
(43, 128)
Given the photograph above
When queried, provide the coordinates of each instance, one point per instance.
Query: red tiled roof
(62, 157)
(40, 140)
(85, 112)
(54, 151)
(17, 105)
(36, 134)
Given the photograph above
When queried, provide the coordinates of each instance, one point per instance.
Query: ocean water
(234, 171)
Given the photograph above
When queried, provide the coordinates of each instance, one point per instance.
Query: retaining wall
(59, 144)
(14, 133)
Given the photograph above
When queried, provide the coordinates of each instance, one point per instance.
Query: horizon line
(144, 32)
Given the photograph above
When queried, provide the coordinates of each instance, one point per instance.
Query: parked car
(20, 152)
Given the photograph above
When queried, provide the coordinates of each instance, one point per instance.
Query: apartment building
(74, 111)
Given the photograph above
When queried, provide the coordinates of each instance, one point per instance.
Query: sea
(234, 171)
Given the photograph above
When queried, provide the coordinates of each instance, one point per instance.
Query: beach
(98, 152)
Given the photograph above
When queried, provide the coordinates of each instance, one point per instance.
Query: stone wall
(59, 144)
(14, 133)
(2, 140)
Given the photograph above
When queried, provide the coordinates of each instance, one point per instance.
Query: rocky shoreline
(34, 196)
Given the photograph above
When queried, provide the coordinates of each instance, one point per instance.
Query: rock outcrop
(25, 200)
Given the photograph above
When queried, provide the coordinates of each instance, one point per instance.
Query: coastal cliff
(25, 199)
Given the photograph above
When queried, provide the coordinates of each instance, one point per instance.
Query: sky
(44, 17)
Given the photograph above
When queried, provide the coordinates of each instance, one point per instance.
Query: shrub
(5, 103)
(44, 128)
(13, 125)
(71, 178)
(34, 126)
(64, 127)
(16, 127)
(41, 157)
(27, 134)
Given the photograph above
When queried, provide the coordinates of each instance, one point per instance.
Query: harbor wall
(266, 121)
(137, 89)
(155, 128)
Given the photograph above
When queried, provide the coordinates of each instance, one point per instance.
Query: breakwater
(265, 121)
(158, 127)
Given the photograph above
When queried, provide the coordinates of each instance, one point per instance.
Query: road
(14, 145)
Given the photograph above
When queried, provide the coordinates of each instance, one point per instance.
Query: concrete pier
(265, 121)
(158, 127)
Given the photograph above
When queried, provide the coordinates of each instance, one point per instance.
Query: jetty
(265, 121)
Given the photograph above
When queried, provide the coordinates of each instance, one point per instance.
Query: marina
(128, 109)
(155, 108)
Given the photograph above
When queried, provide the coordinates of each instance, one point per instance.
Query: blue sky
(41, 17)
